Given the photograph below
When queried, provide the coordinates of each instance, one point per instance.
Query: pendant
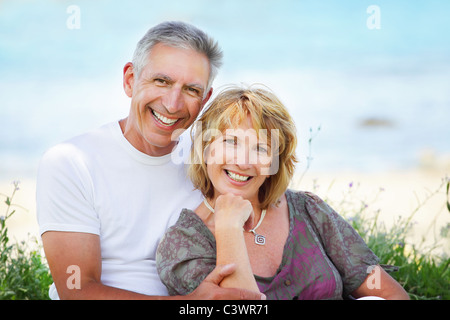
(260, 239)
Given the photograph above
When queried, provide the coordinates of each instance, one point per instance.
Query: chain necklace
(259, 239)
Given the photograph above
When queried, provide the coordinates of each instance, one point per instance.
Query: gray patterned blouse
(323, 258)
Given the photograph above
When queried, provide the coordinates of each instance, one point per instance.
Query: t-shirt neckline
(135, 153)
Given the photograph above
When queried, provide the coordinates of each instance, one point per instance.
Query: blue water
(319, 56)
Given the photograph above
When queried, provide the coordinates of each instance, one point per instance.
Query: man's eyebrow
(169, 79)
(161, 76)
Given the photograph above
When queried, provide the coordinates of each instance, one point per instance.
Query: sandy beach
(392, 195)
(23, 223)
(395, 194)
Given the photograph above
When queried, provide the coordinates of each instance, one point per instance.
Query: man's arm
(64, 249)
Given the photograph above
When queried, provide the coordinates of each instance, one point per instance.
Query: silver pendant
(260, 239)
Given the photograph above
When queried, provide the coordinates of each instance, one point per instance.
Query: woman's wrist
(228, 227)
(227, 222)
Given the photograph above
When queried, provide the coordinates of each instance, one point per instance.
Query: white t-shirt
(99, 183)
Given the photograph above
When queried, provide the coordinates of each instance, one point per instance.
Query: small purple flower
(16, 184)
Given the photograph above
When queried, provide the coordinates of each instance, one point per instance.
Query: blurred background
(367, 82)
(376, 81)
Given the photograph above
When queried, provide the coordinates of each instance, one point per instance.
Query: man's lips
(167, 122)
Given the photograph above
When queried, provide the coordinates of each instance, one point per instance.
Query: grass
(24, 274)
(424, 274)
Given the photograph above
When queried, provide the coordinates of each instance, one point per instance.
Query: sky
(337, 65)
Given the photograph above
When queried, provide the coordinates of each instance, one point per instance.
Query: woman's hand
(231, 211)
(230, 214)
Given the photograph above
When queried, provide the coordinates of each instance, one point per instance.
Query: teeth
(237, 177)
(164, 120)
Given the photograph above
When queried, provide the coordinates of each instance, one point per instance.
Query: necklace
(259, 239)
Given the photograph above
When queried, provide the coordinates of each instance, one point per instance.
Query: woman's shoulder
(189, 226)
(311, 207)
(187, 237)
(186, 251)
(304, 199)
(188, 219)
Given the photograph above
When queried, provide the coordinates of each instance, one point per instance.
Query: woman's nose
(243, 158)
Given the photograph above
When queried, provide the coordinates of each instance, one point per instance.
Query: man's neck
(139, 143)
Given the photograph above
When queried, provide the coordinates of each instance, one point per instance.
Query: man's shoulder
(79, 146)
(93, 136)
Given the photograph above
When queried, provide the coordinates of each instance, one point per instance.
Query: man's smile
(164, 120)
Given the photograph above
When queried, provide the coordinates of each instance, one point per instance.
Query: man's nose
(172, 100)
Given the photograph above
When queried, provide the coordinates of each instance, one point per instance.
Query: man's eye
(161, 81)
(193, 91)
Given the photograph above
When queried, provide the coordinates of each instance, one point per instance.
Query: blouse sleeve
(185, 255)
(343, 245)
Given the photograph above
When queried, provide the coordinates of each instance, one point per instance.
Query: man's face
(168, 95)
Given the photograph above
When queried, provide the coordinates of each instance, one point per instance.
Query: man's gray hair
(179, 35)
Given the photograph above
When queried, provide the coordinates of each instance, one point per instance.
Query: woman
(286, 244)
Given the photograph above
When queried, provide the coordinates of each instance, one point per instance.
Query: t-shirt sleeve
(64, 196)
(185, 256)
(343, 245)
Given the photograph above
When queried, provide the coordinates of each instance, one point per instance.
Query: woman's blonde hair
(228, 110)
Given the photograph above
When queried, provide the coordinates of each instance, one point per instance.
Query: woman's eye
(232, 141)
(262, 149)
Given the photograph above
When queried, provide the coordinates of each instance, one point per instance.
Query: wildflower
(16, 185)
(445, 230)
(315, 185)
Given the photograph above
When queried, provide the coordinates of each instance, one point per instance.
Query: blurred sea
(381, 97)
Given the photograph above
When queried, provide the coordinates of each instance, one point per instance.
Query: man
(105, 198)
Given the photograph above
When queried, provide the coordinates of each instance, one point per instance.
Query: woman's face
(236, 161)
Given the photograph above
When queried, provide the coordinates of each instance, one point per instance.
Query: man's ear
(128, 79)
(208, 95)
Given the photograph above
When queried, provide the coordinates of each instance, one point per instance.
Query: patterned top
(323, 258)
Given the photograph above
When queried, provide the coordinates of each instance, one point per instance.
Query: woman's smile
(237, 177)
